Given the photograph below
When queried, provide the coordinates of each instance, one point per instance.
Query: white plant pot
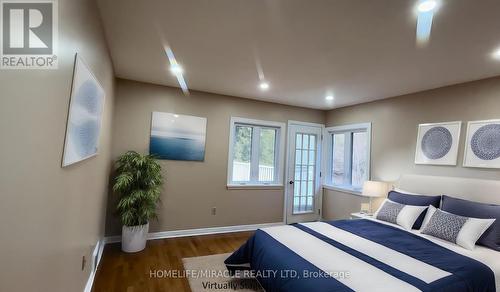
(134, 237)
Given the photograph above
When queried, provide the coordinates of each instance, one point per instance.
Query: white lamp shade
(374, 189)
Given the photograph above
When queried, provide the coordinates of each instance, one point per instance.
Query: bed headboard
(478, 190)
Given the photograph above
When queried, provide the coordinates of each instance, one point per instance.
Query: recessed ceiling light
(427, 6)
(329, 97)
(264, 85)
(496, 54)
(176, 116)
(176, 69)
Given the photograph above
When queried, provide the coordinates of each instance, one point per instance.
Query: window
(255, 153)
(348, 156)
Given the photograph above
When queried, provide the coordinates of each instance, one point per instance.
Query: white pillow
(428, 216)
(463, 231)
(402, 215)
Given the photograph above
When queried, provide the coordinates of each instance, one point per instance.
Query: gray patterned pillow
(461, 230)
(400, 214)
(445, 226)
(389, 212)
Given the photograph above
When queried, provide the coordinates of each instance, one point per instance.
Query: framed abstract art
(85, 114)
(437, 144)
(482, 146)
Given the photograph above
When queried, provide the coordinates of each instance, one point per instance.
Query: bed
(370, 255)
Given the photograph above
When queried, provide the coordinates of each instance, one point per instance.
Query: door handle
(291, 182)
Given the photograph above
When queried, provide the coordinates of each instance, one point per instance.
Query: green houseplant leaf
(138, 183)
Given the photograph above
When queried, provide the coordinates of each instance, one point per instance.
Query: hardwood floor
(119, 271)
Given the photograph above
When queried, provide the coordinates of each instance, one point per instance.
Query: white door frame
(320, 166)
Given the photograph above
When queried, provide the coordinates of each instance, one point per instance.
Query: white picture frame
(482, 145)
(438, 143)
(84, 122)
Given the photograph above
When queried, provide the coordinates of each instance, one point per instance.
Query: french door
(303, 184)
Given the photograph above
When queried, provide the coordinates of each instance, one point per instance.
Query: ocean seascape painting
(177, 137)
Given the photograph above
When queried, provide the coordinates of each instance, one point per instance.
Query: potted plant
(138, 183)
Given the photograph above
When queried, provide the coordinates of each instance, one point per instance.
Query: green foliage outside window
(243, 145)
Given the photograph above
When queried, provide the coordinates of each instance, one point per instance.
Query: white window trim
(280, 154)
(328, 184)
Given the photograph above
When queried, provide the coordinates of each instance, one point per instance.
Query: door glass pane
(310, 188)
(303, 188)
(297, 173)
(298, 141)
(296, 201)
(305, 157)
(298, 157)
(338, 175)
(304, 173)
(359, 159)
(311, 172)
(309, 205)
(305, 165)
(305, 142)
(312, 142)
(267, 154)
(311, 157)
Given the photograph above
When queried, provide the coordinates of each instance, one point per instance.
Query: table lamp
(374, 189)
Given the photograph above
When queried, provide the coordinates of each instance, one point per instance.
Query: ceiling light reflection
(496, 54)
(425, 13)
(177, 70)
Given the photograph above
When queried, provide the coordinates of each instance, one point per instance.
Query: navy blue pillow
(415, 200)
(490, 238)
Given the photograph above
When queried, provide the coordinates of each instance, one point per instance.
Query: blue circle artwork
(87, 97)
(436, 142)
(485, 142)
(86, 133)
(86, 137)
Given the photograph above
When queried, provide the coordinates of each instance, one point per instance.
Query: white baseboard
(198, 231)
(94, 264)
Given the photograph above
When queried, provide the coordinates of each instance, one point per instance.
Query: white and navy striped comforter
(355, 255)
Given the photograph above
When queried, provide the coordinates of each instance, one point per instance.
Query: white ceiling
(359, 50)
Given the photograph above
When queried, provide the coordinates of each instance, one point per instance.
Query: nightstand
(358, 215)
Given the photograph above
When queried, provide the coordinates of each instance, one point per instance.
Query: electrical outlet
(214, 211)
(84, 261)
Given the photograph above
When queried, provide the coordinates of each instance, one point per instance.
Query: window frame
(254, 159)
(351, 128)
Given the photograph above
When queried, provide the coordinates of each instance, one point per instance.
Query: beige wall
(193, 188)
(49, 216)
(394, 133)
